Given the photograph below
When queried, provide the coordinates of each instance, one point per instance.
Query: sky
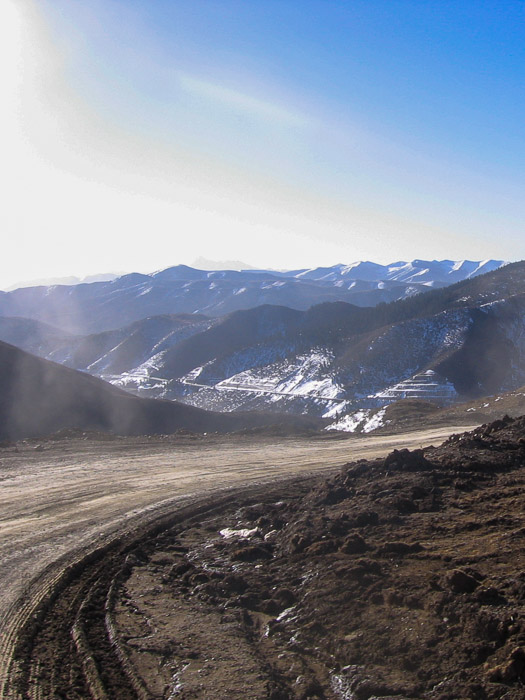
(140, 134)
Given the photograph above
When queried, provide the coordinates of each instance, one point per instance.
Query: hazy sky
(140, 134)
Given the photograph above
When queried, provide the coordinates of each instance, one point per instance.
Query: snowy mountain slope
(377, 360)
(114, 352)
(99, 306)
(368, 356)
(108, 353)
(433, 273)
(327, 381)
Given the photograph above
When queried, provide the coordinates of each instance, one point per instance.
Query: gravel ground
(67, 502)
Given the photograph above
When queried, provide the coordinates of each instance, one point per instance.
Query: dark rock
(322, 547)
(419, 492)
(395, 598)
(179, 569)
(512, 670)
(369, 517)
(490, 596)
(271, 607)
(461, 582)
(235, 583)
(340, 526)
(400, 548)
(354, 544)
(251, 553)
(299, 543)
(370, 566)
(285, 597)
(332, 495)
(405, 505)
(405, 460)
(198, 577)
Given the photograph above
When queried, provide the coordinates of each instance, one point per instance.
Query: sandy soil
(62, 498)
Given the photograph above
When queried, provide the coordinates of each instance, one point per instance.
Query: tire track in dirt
(73, 509)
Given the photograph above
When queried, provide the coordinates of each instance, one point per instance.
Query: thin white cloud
(242, 102)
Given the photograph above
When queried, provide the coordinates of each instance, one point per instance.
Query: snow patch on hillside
(336, 408)
(362, 421)
(424, 385)
(304, 375)
(141, 377)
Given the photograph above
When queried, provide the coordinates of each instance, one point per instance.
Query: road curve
(61, 501)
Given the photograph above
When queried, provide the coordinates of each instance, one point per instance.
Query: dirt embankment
(398, 578)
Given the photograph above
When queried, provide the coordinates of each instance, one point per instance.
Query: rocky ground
(74, 505)
(402, 577)
(409, 414)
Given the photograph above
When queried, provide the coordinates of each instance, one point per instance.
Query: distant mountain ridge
(68, 281)
(434, 273)
(101, 306)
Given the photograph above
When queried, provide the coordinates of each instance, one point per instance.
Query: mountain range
(333, 360)
(108, 305)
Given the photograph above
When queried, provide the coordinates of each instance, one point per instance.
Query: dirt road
(66, 498)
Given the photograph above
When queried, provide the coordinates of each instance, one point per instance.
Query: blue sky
(281, 133)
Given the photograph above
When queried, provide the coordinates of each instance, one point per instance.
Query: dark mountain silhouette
(38, 397)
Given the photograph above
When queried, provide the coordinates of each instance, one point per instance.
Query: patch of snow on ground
(270, 285)
(363, 421)
(342, 686)
(309, 377)
(336, 409)
(350, 423)
(375, 422)
(243, 533)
